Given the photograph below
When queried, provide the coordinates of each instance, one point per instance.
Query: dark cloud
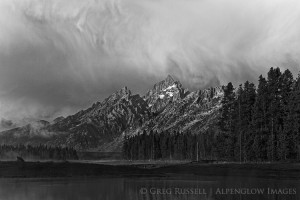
(57, 57)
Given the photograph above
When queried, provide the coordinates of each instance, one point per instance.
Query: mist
(57, 57)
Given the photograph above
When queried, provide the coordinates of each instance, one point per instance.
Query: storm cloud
(57, 57)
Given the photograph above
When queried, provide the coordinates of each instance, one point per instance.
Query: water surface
(186, 188)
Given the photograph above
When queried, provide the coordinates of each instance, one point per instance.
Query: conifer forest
(255, 124)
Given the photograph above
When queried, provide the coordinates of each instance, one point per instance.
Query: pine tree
(259, 122)
(244, 106)
(274, 110)
(226, 138)
(286, 87)
(225, 121)
(238, 122)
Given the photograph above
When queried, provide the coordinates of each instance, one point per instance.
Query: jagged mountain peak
(122, 93)
(163, 93)
(167, 82)
(170, 79)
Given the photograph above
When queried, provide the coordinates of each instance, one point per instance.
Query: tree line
(166, 145)
(255, 124)
(41, 152)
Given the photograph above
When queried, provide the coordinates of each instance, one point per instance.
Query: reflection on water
(200, 188)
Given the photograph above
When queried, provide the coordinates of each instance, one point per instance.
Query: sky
(58, 57)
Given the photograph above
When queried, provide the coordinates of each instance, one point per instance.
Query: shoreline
(14, 169)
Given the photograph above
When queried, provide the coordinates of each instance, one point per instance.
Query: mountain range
(102, 127)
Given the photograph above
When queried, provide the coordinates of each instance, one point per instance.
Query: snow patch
(170, 87)
(161, 96)
(207, 112)
(219, 94)
(170, 94)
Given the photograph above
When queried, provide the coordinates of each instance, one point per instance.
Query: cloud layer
(60, 56)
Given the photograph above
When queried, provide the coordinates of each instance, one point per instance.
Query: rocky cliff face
(103, 121)
(163, 93)
(194, 112)
(167, 106)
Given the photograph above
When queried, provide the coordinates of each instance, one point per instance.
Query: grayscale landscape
(149, 99)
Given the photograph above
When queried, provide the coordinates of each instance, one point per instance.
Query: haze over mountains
(57, 57)
(167, 106)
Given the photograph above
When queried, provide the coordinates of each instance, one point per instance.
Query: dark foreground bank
(12, 169)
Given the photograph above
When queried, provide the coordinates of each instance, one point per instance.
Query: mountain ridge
(167, 106)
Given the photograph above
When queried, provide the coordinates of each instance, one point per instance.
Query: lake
(185, 188)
